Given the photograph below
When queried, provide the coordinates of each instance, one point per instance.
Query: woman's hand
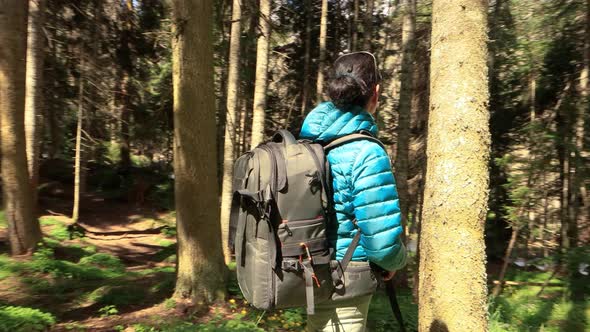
(388, 275)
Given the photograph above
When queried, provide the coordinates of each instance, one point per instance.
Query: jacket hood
(327, 122)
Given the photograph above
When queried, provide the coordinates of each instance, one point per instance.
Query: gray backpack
(281, 208)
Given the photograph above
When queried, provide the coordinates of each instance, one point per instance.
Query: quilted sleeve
(376, 207)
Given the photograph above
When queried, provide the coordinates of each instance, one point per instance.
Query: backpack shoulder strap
(363, 135)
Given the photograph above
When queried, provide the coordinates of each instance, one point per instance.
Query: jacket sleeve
(376, 207)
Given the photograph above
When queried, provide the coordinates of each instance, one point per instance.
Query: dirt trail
(132, 233)
(140, 236)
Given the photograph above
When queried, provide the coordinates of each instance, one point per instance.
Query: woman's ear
(376, 92)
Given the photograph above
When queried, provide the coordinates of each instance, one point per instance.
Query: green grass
(520, 309)
(381, 317)
(79, 275)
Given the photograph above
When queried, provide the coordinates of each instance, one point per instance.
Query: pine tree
(322, 60)
(231, 124)
(200, 269)
(452, 290)
(405, 104)
(261, 73)
(23, 228)
(78, 163)
(34, 92)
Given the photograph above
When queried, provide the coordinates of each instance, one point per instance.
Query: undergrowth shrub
(16, 319)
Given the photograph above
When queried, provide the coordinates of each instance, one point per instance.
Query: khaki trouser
(340, 316)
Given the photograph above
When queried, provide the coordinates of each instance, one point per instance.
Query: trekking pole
(389, 286)
(390, 290)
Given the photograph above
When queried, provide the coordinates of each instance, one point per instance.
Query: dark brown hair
(354, 76)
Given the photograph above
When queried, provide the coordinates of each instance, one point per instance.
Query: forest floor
(116, 273)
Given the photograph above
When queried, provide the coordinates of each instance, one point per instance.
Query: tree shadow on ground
(438, 326)
(534, 322)
(74, 283)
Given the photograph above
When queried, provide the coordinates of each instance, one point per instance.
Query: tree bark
(24, 231)
(261, 74)
(564, 176)
(200, 269)
(307, 59)
(34, 92)
(368, 26)
(355, 26)
(322, 63)
(78, 178)
(231, 124)
(405, 104)
(580, 180)
(452, 288)
(126, 86)
(498, 286)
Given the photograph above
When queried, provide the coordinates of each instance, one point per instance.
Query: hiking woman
(365, 196)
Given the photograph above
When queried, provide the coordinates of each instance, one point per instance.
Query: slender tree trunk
(452, 288)
(243, 130)
(222, 107)
(565, 192)
(498, 287)
(323, 35)
(349, 29)
(405, 111)
(336, 44)
(34, 92)
(405, 104)
(387, 113)
(231, 124)
(368, 26)
(78, 178)
(24, 231)
(124, 127)
(261, 74)
(200, 269)
(126, 86)
(355, 26)
(580, 179)
(307, 58)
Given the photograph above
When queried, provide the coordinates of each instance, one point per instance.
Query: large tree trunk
(200, 269)
(23, 228)
(452, 286)
(34, 92)
(261, 74)
(405, 104)
(306, 59)
(231, 124)
(323, 34)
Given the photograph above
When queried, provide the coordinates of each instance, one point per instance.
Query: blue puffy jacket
(364, 186)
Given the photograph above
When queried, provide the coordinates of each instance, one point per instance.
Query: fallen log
(527, 283)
